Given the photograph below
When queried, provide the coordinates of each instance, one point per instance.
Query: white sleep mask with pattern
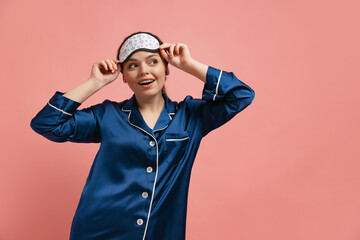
(137, 42)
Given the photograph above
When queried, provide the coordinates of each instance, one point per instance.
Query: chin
(150, 93)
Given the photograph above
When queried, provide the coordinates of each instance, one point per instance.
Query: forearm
(83, 91)
(61, 121)
(225, 96)
(197, 69)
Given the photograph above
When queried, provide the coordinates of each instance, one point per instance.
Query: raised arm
(60, 120)
(179, 56)
(102, 73)
(224, 95)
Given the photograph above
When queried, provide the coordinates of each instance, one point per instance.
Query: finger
(164, 54)
(165, 45)
(184, 49)
(177, 48)
(104, 65)
(109, 63)
(114, 64)
(171, 50)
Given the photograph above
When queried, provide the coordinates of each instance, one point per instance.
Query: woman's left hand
(177, 54)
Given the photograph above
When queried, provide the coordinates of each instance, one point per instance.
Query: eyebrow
(150, 56)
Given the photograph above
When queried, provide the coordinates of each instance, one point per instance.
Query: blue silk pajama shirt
(137, 187)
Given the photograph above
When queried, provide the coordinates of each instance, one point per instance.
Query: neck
(153, 104)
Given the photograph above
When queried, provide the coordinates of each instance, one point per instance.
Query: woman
(137, 187)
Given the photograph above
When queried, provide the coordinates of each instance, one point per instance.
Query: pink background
(285, 168)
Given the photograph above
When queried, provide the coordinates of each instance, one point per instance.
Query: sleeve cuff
(211, 88)
(63, 104)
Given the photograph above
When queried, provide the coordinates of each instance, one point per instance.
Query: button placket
(149, 170)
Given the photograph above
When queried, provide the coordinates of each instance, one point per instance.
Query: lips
(146, 81)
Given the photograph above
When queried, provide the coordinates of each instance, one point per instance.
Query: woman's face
(145, 73)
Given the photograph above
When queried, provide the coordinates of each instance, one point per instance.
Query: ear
(167, 70)
(124, 79)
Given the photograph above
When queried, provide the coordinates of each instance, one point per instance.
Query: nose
(144, 69)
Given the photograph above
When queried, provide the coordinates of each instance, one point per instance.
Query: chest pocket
(176, 146)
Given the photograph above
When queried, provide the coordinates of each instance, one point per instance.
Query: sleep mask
(137, 42)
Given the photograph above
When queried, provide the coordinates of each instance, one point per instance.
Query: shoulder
(106, 107)
(190, 103)
(107, 103)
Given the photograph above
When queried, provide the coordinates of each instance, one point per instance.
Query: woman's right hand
(102, 73)
(105, 71)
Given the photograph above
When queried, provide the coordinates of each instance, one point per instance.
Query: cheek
(160, 72)
(129, 77)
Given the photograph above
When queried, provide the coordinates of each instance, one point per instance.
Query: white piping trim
(217, 85)
(157, 169)
(170, 115)
(129, 111)
(176, 139)
(60, 109)
(160, 129)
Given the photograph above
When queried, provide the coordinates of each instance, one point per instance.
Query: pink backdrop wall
(285, 168)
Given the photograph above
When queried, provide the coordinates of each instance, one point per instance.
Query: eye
(153, 61)
(132, 65)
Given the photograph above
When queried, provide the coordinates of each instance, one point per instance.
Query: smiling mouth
(146, 82)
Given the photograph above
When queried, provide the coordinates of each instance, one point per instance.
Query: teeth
(146, 82)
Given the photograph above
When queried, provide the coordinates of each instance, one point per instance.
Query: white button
(139, 222)
(144, 194)
(152, 143)
(149, 169)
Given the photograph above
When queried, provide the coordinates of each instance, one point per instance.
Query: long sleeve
(60, 121)
(224, 96)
